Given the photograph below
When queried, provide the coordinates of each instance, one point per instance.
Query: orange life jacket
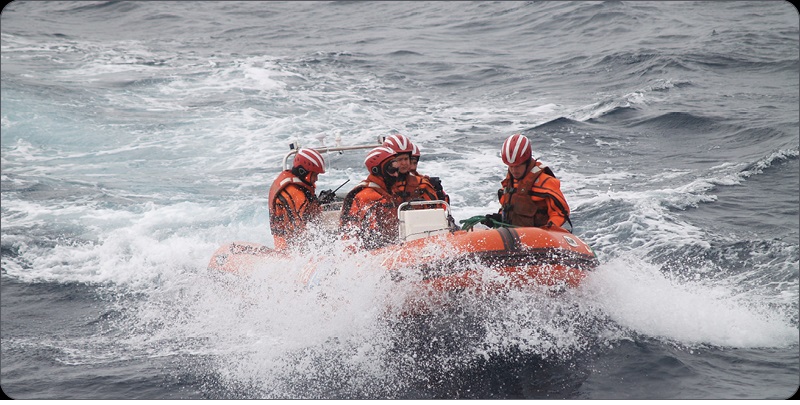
(533, 200)
(437, 187)
(292, 204)
(413, 188)
(369, 212)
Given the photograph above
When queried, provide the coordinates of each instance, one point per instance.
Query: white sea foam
(265, 328)
(640, 297)
(125, 247)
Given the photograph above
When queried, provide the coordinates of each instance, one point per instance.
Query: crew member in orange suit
(292, 198)
(435, 182)
(369, 211)
(409, 186)
(531, 194)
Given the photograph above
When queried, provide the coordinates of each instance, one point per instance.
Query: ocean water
(137, 137)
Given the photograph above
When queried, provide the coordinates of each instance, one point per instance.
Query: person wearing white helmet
(369, 211)
(409, 186)
(531, 194)
(292, 199)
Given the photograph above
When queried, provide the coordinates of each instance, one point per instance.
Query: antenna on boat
(337, 188)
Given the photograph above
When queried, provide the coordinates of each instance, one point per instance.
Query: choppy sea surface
(137, 137)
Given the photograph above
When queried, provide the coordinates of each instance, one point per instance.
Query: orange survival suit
(435, 184)
(292, 204)
(410, 187)
(369, 212)
(533, 200)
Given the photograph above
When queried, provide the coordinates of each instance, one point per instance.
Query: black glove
(436, 183)
(492, 217)
(326, 196)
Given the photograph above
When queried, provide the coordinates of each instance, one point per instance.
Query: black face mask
(384, 171)
(302, 174)
(299, 171)
(388, 171)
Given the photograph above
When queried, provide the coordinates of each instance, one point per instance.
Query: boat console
(420, 219)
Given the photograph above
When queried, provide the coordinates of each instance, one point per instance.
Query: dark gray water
(137, 137)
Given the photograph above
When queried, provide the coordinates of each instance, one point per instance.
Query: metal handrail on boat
(294, 148)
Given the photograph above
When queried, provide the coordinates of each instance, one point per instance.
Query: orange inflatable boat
(437, 256)
(444, 259)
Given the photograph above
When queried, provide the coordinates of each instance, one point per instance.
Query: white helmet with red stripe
(399, 143)
(309, 161)
(377, 160)
(516, 150)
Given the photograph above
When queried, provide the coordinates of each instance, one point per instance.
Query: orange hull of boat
(517, 257)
